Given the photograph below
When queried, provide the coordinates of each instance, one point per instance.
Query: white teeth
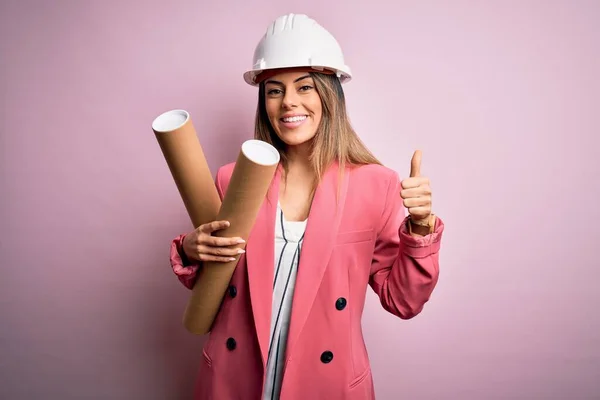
(295, 119)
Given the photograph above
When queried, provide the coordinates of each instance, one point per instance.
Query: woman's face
(293, 106)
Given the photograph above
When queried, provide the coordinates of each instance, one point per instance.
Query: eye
(274, 92)
(305, 87)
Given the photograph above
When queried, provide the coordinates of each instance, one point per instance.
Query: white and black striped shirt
(288, 242)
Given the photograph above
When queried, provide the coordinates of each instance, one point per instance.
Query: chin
(292, 138)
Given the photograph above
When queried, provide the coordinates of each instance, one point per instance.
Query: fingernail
(232, 259)
(241, 251)
(240, 241)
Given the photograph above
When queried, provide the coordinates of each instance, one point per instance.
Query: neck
(299, 165)
(299, 157)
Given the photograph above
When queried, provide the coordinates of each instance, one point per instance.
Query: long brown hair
(335, 139)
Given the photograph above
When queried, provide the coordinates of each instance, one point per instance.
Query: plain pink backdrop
(502, 97)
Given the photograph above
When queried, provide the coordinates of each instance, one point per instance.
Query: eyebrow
(280, 83)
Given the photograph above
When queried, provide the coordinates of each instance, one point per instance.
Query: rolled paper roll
(250, 181)
(181, 148)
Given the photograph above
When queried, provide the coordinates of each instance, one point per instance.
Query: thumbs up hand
(416, 193)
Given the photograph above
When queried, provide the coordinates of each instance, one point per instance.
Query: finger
(211, 258)
(414, 182)
(420, 212)
(218, 241)
(415, 164)
(422, 190)
(416, 202)
(214, 226)
(220, 251)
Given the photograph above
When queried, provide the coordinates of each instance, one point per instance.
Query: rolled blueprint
(252, 175)
(181, 148)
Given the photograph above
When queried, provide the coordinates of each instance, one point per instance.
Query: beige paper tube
(181, 148)
(248, 187)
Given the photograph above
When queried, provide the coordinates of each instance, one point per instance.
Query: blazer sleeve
(187, 270)
(405, 269)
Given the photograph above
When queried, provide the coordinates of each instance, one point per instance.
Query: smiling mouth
(297, 118)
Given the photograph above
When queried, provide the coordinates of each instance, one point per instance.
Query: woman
(331, 225)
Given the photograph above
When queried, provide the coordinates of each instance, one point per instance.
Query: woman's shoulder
(223, 176)
(371, 189)
(226, 170)
(374, 173)
(371, 184)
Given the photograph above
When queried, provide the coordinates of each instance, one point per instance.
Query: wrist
(422, 226)
(182, 253)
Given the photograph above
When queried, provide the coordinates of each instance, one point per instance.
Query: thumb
(415, 164)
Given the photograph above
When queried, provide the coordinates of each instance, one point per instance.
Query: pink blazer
(361, 242)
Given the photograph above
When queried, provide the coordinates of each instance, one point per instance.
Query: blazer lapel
(321, 230)
(260, 252)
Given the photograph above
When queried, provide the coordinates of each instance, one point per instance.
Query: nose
(290, 99)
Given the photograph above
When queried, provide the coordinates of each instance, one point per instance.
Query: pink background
(502, 97)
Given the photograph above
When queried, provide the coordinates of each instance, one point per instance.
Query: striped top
(288, 243)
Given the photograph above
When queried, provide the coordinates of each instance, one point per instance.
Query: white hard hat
(295, 40)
